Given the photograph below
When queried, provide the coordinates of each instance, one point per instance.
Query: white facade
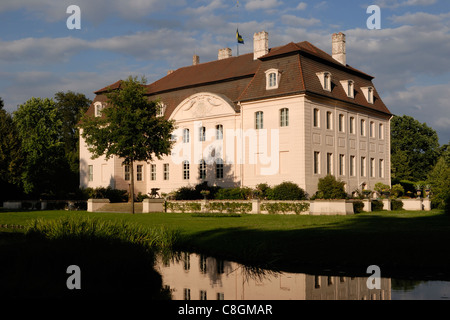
(298, 137)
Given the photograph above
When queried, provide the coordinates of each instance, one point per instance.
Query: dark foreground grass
(403, 244)
(116, 259)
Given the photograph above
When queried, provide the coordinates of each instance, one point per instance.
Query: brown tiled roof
(243, 79)
(114, 86)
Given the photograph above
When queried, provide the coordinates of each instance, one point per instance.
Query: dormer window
(272, 79)
(325, 80)
(349, 88)
(368, 94)
(98, 109)
(161, 109)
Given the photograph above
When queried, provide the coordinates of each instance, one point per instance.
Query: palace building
(291, 113)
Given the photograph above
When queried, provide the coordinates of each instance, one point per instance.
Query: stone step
(121, 207)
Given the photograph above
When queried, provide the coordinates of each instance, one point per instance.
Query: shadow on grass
(37, 268)
(401, 246)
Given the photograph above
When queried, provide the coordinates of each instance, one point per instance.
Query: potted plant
(427, 190)
(418, 187)
(204, 193)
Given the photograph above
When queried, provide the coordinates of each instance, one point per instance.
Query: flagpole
(237, 27)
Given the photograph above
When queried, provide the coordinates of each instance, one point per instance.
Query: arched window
(186, 136)
(219, 132)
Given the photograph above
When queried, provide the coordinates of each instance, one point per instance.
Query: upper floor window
(352, 125)
(186, 136)
(380, 131)
(329, 120)
(363, 127)
(341, 123)
(325, 80)
(186, 170)
(368, 94)
(284, 117)
(139, 173)
(202, 170)
(98, 109)
(259, 121)
(272, 79)
(202, 134)
(219, 132)
(161, 109)
(349, 88)
(372, 129)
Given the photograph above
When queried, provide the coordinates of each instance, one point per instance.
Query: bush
(114, 195)
(286, 191)
(397, 190)
(358, 206)
(396, 204)
(377, 205)
(330, 188)
(237, 193)
(194, 193)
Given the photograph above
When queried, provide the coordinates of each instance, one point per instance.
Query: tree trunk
(132, 186)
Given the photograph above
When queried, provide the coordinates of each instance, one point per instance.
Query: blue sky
(39, 56)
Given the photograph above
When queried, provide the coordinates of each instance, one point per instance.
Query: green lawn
(401, 242)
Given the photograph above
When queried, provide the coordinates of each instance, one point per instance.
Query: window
(341, 123)
(363, 127)
(329, 163)
(161, 110)
(350, 89)
(368, 94)
(202, 134)
(202, 170)
(166, 171)
(381, 168)
(202, 294)
(127, 173)
(91, 173)
(316, 162)
(372, 167)
(219, 132)
(219, 169)
(185, 170)
(186, 136)
(329, 120)
(363, 166)
(380, 131)
(341, 164)
(352, 166)
(316, 118)
(352, 125)
(272, 79)
(284, 117)
(220, 296)
(259, 121)
(372, 129)
(325, 80)
(187, 294)
(153, 172)
(98, 109)
(139, 173)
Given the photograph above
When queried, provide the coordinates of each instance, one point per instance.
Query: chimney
(260, 44)
(338, 48)
(224, 53)
(170, 71)
(195, 60)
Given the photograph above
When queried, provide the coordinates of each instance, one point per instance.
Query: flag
(239, 37)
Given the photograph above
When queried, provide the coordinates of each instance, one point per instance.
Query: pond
(191, 276)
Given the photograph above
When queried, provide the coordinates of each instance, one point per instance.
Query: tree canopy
(414, 149)
(129, 127)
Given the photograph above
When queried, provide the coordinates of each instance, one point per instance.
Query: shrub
(396, 204)
(237, 193)
(114, 195)
(263, 191)
(377, 205)
(187, 193)
(358, 206)
(286, 191)
(330, 188)
(397, 190)
(282, 207)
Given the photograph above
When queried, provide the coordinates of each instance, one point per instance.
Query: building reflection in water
(198, 277)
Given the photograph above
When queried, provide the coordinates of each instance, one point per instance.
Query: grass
(402, 243)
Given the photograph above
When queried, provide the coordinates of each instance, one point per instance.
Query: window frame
(186, 135)
(259, 120)
(284, 117)
(186, 170)
(219, 168)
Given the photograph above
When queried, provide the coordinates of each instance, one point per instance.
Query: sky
(409, 55)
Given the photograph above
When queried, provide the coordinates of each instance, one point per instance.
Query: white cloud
(404, 3)
(302, 6)
(262, 4)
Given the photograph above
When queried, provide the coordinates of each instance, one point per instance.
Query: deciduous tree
(129, 128)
